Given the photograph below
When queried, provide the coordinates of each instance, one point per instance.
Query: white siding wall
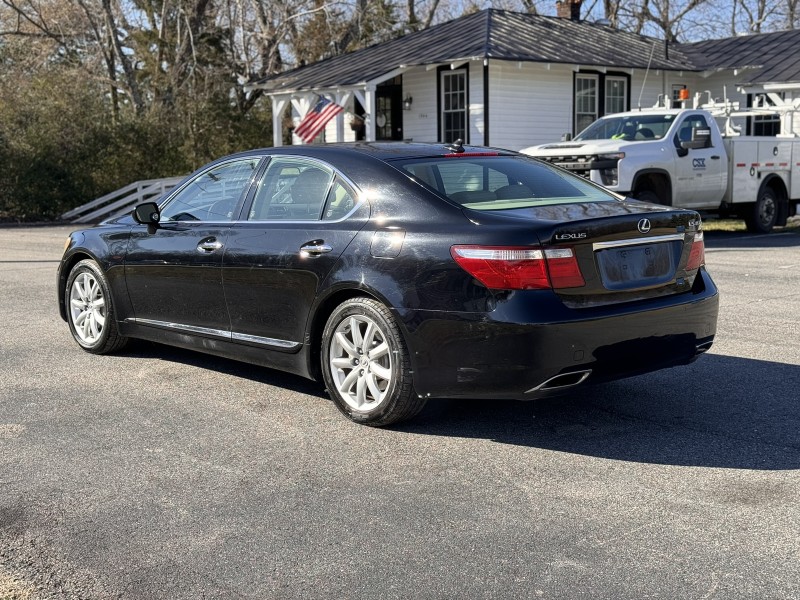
(476, 121)
(532, 103)
(420, 123)
(647, 86)
(528, 104)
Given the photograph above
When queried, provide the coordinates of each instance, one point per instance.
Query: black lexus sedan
(395, 272)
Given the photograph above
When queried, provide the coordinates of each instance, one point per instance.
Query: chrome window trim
(672, 237)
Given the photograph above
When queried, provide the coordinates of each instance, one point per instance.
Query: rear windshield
(501, 182)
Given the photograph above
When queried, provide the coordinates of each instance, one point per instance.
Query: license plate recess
(640, 265)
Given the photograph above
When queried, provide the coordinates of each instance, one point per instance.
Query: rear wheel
(764, 213)
(90, 311)
(366, 366)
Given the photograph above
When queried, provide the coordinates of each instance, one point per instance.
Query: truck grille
(580, 165)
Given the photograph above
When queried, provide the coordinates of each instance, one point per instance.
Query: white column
(278, 106)
(341, 98)
(370, 106)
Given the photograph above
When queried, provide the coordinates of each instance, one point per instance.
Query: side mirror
(147, 213)
(566, 137)
(701, 138)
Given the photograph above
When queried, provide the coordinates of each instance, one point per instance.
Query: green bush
(61, 144)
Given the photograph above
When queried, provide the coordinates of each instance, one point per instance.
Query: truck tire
(653, 188)
(763, 213)
(648, 196)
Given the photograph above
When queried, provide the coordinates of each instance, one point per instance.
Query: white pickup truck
(679, 157)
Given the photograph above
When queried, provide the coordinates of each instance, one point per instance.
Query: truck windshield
(630, 127)
(500, 182)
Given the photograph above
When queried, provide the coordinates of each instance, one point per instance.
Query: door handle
(715, 157)
(207, 246)
(313, 249)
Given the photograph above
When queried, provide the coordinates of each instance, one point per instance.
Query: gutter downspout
(485, 101)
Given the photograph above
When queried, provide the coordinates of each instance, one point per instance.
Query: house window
(767, 125)
(585, 101)
(677, 90)
(599, 94)
(383, 118)
(616, 95)
(454, 105)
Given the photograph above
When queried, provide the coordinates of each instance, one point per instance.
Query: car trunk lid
(625, 251)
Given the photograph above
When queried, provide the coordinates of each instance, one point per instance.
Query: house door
(389, 114)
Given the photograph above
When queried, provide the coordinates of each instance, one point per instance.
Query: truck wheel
(763, 213)
(648, 196)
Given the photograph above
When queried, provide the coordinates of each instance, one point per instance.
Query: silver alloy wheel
(360, 362)
(87, 308)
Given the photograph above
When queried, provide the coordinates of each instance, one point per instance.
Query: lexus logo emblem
(644, 225)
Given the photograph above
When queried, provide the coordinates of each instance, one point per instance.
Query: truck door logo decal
(699, 163)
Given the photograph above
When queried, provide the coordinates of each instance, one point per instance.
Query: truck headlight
(607, 165)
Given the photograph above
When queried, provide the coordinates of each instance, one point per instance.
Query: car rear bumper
(532, 345)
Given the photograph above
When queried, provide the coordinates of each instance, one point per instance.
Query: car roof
(379, 150)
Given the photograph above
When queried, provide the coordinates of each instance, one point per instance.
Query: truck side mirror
(566, 137)
(701, 138)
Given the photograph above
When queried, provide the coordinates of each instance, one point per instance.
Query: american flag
(316, 118)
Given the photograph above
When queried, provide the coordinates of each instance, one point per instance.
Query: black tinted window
(292, 189)
(212, 195)
(498, 182)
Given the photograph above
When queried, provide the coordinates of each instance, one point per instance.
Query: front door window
(454, 105)
(585, 101)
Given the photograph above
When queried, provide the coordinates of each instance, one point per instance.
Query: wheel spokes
(360, 362)
(87, 308)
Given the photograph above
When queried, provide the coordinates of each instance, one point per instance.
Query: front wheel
(365, 364)
(648, 196)
(90, 312)
(764, 213)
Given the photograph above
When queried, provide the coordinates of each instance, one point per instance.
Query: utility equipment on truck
(685, 158)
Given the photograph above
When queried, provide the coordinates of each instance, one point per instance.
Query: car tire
(90, 310)
(366, 366)
(764, 213)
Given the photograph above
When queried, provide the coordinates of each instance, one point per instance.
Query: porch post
(341, 98)
(278, 106)
(370, 106)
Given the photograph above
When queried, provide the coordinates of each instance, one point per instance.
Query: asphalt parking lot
(161, 473)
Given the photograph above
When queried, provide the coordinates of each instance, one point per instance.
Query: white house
(512, 80)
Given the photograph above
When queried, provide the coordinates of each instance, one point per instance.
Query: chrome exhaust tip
(704, 347)
(564, 380)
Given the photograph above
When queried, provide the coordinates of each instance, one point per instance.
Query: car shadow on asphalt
(265, 375)
(720, 411)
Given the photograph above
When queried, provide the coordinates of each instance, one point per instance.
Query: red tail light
(563, 266)
(697, 256)
(519, 268)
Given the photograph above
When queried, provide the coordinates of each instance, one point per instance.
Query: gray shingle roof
(776, 56)
(490, 33)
